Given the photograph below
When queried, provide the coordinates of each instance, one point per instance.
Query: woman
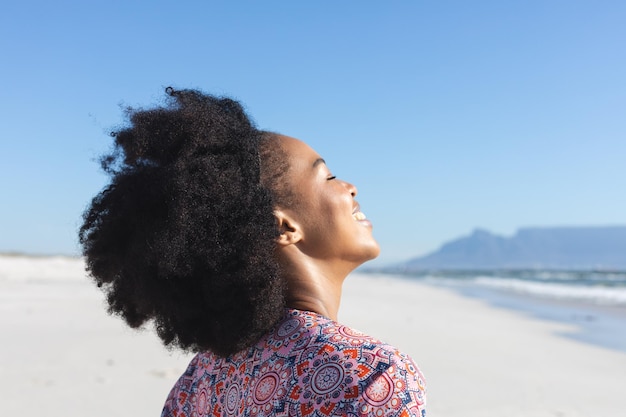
(236, 242)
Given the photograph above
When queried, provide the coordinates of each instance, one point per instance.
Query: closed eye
(331, 178)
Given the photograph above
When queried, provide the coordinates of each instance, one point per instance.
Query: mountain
(601, 248)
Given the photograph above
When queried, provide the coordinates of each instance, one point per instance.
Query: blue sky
(447, 115)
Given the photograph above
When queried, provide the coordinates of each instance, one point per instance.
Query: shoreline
(597, 324)
(603, 325)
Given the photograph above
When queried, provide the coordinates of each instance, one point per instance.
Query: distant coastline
(550, 248)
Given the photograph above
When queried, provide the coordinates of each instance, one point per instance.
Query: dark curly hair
(184, 234)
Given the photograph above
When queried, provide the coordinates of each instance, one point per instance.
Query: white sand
(62, 355)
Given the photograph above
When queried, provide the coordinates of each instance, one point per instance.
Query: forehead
(301, 156)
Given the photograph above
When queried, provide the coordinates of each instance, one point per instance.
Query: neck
(313, 285)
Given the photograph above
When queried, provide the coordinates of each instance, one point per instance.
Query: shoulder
(356, 373)
(394, 385)
(390, 382)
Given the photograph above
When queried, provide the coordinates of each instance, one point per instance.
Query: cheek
(324, 212)
(325, 220)
(334, 210)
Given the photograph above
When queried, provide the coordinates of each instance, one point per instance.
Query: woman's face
(331, 222)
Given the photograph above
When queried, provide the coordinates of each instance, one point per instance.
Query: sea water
(606, 288)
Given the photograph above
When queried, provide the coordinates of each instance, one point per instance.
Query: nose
(351, 187)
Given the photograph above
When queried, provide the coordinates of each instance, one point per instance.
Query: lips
(359, 216)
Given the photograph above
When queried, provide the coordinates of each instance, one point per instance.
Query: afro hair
(184, 233)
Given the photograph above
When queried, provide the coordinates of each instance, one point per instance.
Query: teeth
(358, 216)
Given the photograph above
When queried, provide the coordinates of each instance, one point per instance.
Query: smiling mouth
(358, 216)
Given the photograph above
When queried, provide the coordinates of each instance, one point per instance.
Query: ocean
(605, 288)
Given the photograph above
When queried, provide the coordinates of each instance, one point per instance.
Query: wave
(602, 289)
(595, 294)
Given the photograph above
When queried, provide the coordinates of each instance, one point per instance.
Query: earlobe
(289, 230)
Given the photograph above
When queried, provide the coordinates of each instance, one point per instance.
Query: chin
(372, 252)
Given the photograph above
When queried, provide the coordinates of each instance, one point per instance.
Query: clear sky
(447, 115)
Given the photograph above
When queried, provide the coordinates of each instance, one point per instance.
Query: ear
(290, 231)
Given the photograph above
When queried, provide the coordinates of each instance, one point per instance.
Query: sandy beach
(62, 355)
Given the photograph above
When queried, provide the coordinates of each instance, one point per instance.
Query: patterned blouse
(308, 365)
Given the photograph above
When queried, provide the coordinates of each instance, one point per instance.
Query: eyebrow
(318, 161)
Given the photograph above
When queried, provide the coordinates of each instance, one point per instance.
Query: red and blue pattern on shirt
(307, 366)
